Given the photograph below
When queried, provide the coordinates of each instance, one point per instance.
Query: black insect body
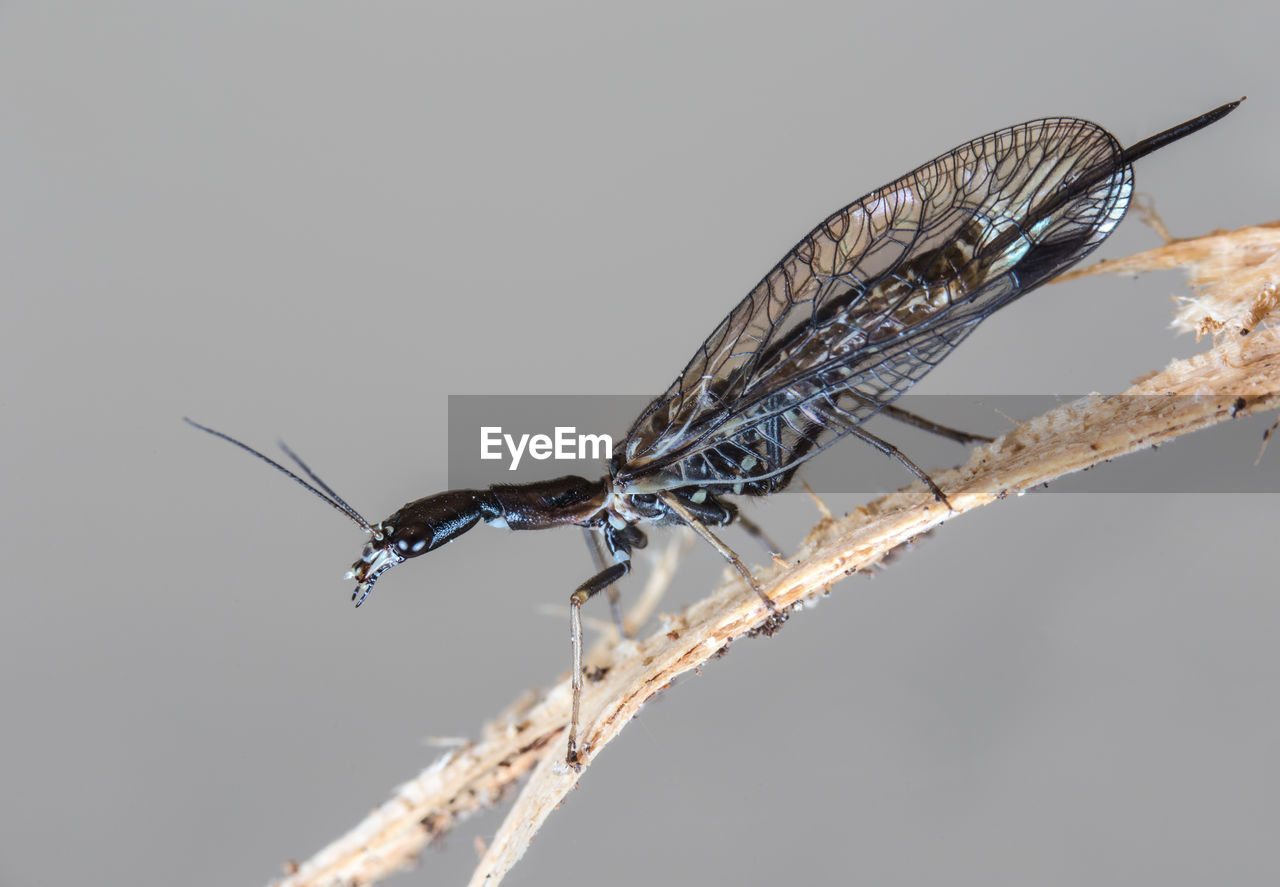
(858, 312)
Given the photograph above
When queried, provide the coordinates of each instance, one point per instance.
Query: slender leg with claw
(890, 450)
(615, 598)
(901, 415)
(754, 530)
(580, 596)
(673, 502)
(924, 424)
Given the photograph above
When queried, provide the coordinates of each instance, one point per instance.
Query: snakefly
(858, 312)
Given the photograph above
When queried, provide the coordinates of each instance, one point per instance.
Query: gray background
(316, 220)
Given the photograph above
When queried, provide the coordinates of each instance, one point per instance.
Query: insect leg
(673, 502)
(615, 598)
(580, 596)
(890, 450)
(753, 529)
(920, 422)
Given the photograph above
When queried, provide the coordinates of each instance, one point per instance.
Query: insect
(858, 312)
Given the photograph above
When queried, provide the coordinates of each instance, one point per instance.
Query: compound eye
(413, 540)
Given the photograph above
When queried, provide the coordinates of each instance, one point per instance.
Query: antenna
(323, 490)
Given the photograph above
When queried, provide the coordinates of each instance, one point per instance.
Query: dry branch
(1236, 275)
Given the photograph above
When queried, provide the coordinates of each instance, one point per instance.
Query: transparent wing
(872, 299)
